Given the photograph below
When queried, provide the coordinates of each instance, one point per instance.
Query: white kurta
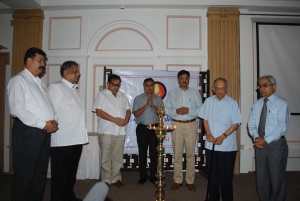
(71, 115)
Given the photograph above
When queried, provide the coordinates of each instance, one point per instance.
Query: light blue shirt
(277, 118)
(220, 116)
(178, 98)
(149, 116)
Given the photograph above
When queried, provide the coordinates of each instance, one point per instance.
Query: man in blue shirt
(269, 140)
(221, 117)
(183, 105)
(145, 107)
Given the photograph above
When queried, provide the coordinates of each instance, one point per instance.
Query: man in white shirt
(113, 110)
(30, 106)
(67, 142)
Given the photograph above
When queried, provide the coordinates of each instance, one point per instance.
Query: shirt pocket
(189, 101)
(272, 117)
(224, 116)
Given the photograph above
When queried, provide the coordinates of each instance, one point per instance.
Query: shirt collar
(183, 90)
(225, 98)
(69, 83)
(272, 97)
(109, 92)
(32, 76)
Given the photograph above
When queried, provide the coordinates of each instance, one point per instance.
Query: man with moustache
(67, 142)
(113, 110)
(221, 117)
(183, 105)
(267, 124)
(145, 108)
(33, 114)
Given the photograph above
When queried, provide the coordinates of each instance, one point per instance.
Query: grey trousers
(271, 164)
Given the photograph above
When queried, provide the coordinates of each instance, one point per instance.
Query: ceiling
(287, 7)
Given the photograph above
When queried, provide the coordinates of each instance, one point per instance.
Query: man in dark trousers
(267, 124)
(30, 106)
(221, 117)
(67, 142)
(145, 107)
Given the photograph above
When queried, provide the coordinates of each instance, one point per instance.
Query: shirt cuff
(41, 124)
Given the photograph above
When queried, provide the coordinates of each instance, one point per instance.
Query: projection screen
(278, 54)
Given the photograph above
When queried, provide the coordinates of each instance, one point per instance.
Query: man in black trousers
(67, 142)
(33, 114)
(145, 110)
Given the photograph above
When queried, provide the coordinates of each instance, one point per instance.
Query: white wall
(133, 39)
(6, 33)
(248, 95)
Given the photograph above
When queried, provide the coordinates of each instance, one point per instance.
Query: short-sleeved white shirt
(115, 106)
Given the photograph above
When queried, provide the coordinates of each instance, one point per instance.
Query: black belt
(148, 125)
(184, 121)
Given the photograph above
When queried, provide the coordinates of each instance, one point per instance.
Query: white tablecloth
(89, 164)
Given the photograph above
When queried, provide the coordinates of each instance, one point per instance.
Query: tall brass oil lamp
(160, 131)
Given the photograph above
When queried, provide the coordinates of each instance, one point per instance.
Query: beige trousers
(111, 157)
(184, 137)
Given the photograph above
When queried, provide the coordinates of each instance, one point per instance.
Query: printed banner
(132, 86)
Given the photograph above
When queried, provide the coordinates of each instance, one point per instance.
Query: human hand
(123, 122)
(51, 126)
(118, 121)
(260, 142)
(185, 110)
(149, 101)
(210, 138)
(181, 111)
(219, 140)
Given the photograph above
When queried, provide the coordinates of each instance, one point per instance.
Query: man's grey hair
(220, 79)
(271, 79)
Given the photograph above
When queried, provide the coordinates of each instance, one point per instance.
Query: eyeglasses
(222, 88)
(115, 85)
(264, 86)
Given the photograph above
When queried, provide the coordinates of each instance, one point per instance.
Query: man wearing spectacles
(267, 125)
(221, 117)
(113, 110)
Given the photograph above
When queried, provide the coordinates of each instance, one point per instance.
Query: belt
(184, 121)
(148, 125)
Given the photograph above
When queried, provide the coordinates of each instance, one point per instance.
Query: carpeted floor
(244, 188)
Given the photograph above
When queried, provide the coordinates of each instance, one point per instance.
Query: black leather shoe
(152, 180)
(142, 181)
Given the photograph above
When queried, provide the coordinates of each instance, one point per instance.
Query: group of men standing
(56, 118)
(46, 122)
